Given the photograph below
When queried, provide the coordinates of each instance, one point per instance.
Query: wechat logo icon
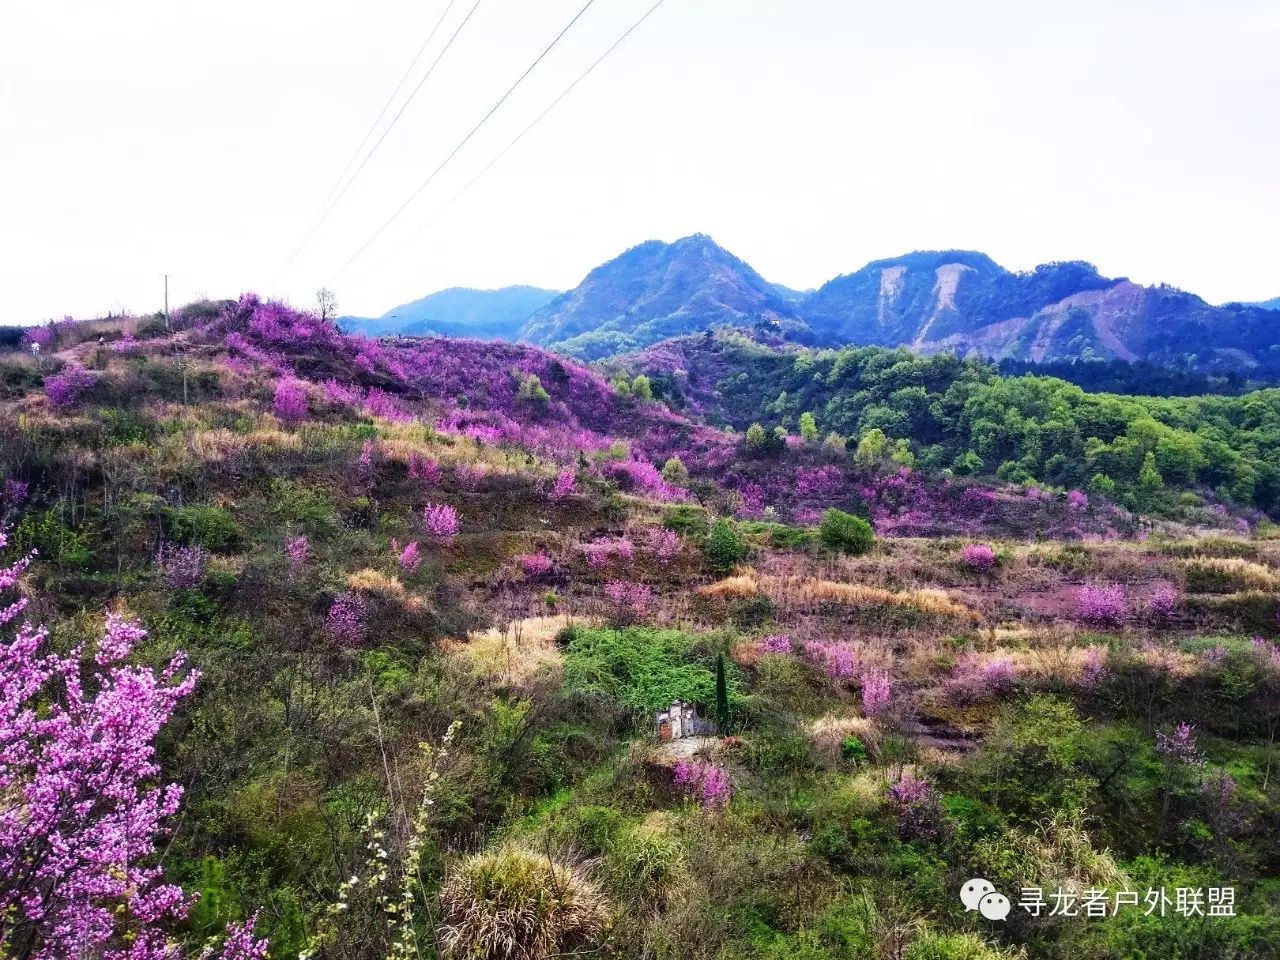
(981, 895)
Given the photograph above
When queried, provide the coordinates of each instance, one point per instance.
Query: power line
(462, 143)
(324, 211)
(521, 135)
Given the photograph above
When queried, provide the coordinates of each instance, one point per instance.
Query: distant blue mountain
(929, 301)
(458, 312)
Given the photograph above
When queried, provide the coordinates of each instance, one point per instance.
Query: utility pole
(166, 302)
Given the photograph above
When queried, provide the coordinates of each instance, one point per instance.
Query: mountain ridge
(928, 300)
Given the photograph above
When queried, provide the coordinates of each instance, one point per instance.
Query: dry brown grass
(741, 585)
(829, 732)
(389, 588)
(1244, 574)
(808, 591)
(516, 655)
(519, 904)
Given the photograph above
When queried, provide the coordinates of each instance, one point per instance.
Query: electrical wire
(323, 214)
(521, 135)
(462, 143)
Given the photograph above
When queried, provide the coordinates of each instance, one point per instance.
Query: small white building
(678, 721)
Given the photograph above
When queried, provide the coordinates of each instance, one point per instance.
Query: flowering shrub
(424, 469)
(915, 802)
(535, 565)
(837, 660)
(565, 484)
(1163, 602)
(410, 558)
(66, 387)
(297, 549)
(346, 620)
(80, 811)
(978, 556)
(876, 690)
(40, 335)
(601, 552)
(469, 475)
(819, 482)
(1180, 745)
(1093, 669)
(441, 522)
(775, 643)
(973, 681)
(665, 545)
(339, 394)
(379, 403)
(183, 567)
(290, 403)
(126, 345)
(703, 782)
(1102, 605)
(1268, 652)
(15, 491)
(1078, 500)
(629, 600)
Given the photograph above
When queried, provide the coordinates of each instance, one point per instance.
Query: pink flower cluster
(410, 558)
(774, 643)
(877, 688)
(915, 802)
(296, 549)
(1102, 605)
(441, 522)
(535, 565)
(82, 812)
(643, 477)
(978, 556)
(290, 404)
(1180, 745)
(15, 491)
(629, 600)
(1163, 602)
(600, 553)
(665, 545)
(837, 660)
(424, 469)
(65, 388)
(183, 567)
(703, 782)
(565, 484)
(346, 620)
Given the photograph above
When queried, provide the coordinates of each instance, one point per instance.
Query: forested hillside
(348, 648)
(963, 417)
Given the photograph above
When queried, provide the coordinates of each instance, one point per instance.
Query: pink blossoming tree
(81, 808)
(441, 522)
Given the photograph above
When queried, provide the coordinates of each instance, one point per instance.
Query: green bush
(208, 527)
(845, 533)
(724, 548)
(642, 668)
(853, 749)
(689, 520)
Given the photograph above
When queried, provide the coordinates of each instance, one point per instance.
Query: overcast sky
(807, 136)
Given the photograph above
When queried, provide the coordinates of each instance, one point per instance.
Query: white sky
(807, 136)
